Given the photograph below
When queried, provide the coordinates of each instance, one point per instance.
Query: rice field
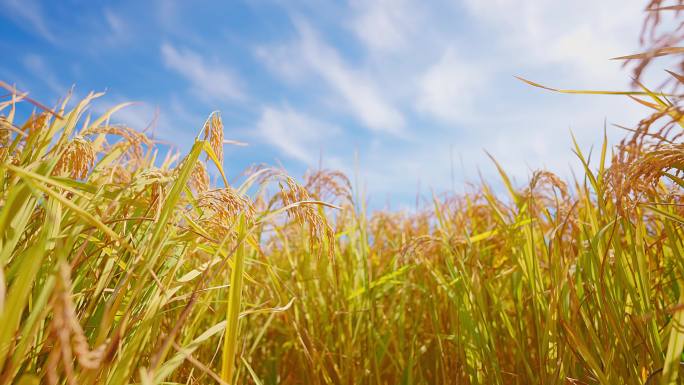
(121, 263)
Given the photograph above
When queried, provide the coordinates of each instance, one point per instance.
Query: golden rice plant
(123, 265)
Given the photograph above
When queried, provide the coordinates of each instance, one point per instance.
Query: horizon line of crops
(121, 265)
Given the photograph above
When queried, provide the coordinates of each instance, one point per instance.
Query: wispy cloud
(407, 80)
(295, 134)
(117, 27)
(40, 70)
(30, 16)
(546, 32)
(356, 89)
(208, 81)
(447, 89)
(383, 25)
(166, 12)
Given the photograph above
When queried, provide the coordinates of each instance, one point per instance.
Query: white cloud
(456, 70)
(208, 81)
(167, 12)
(448, 88)
(580, 35)
(453, 65)
(280, 60)
(40, 70)
(296, 135)
(355, 88)
(383, 25)
(29, 14)
(118, 28)
(470, 87)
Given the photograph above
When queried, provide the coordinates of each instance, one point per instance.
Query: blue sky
(405, 92)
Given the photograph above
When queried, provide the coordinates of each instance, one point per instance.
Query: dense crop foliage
(119, 265)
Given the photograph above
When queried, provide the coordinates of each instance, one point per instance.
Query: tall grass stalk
(230, 340)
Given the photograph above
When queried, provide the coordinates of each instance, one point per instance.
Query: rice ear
(77, 158)
(199, 180)
(213, 132)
